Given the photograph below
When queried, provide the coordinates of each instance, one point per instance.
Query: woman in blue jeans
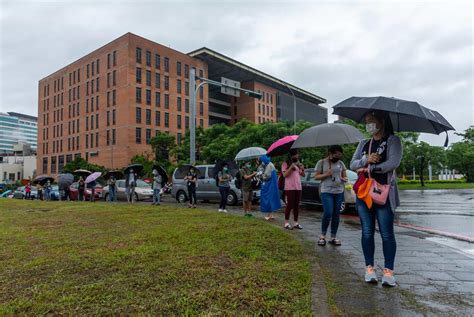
(331, 171)
(224, 187)
(380, 161)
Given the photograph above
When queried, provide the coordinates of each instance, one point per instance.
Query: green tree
(461, 155)
(163, 144)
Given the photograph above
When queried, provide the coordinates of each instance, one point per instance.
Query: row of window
(59, 99)
(269, 97)
(58, 85)
(93, 68)
(268, 112)
(76, 75)
(59, 160)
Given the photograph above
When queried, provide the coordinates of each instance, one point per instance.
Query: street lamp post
(193, 91)
(294, 109)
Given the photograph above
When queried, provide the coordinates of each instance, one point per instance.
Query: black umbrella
(183, 170)
(162, 172)
(65, 180)
(42, 179)
(231, 164)
(82, 172)
(116, 173)
(137, 168)
(328, 134)
(405, 115)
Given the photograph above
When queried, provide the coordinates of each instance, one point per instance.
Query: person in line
(246, 175)
(269, 194)
(224, 177)
(130, 184)
(39, 189)
(92, 185)
(67, 193)
(81, 189)
(379, 157)
(156, 187)
(331, 171)
(28, 191)
(191, 179)
(112, 183)
(47, 190)
(292, 170)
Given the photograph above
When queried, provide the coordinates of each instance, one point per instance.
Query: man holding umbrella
(130, 184)
(246, 175)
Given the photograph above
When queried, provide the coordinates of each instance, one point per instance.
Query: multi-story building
(107, 105)
(17, 128)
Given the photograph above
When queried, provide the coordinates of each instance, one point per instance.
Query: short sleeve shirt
(333, 184)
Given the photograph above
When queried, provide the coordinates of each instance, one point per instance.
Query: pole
(192, 125)
(294, 109)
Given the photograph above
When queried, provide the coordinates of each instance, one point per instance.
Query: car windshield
(142, 184)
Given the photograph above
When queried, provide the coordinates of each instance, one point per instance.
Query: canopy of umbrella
(250, 153)
(282, 146)
(64, 180)
(328, 134)
(115, 173)
(81, 172)
(92, 177)
(231, 165)
(183, 170)
(137, 168)
(404, 115)
(43, 179)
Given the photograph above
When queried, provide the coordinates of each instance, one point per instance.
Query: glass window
(167, 64)
(148, 78)
(138, 95)
(138, 75)
(138, 135)
(167, 120)
(148, 97)
(167, 101)
(178, 103)
(138, 115)
(157, 61)
(178, 68)
(157, 118)
(158, 99)
(148, 116)
(148, 58)
(138, 53)
(178, 122)
(157, 80)
(147, 136)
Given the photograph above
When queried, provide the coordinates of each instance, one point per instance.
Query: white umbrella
(250, 153)
(92, 177)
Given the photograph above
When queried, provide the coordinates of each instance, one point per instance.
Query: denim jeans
(385, 218)
(224, 193)
(332, 208)
(112, 194)
(192, 195)
(156, 195)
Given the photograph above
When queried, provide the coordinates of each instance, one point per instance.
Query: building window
(113, 117)
(138, 53)
(138, 135)
(178, 103)
(201, 73)
(108, 137)
(114, 97)
(186, 70)
(201, 109)
(178, 86)
(97, 139)
(108, 80)
(97, 121)
(148, 136)
(167, 64)
(87, 89)
(179, 138)
(258, 108)
(108, 118)
(138, 75)
(114, 58)
(186, 122)
(97, 103)
(167, 101)
(148, 78)
(186, 88)
(108, 98)
(87, 141)
(113, 136)
(108, 61)
(178, 122)
(92, 122)
(157, 118)
(167, 83)
(148, 116)
(87, 73)
(79, 75)
(45, 165)
(157, 61)
(178, 68)
(201, 123)
(167, 120)
(157, 99)
(186, 105)
(138, 95)
(157, 80)
(87, 123)
(271, 111)
(148, 96)
(98, 69)
(138, 115)
(148, 58)
(114, 77)
(201, 92)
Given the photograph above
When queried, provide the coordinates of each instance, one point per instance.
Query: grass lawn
(83, 259)
(436, 186)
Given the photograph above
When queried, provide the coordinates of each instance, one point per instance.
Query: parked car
(310, 189)
(20, 193)
(143, 191)
(7, 194)
(206, 187)
(74, 191)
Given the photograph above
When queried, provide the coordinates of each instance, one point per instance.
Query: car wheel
(232, 199)
(181, 196)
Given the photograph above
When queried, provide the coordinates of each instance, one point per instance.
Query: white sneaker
(225, 210)
(220, 210)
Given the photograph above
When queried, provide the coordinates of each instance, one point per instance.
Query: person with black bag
(191, 179)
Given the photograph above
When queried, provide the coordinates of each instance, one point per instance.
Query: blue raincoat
(269, 193)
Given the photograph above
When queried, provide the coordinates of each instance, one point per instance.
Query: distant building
(18, 165)
(17, 128)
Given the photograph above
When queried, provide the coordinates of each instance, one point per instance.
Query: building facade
(106, 106)
(17, 128)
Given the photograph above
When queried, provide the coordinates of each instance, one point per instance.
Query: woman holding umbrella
(378, 157)
(81, 188)
(269, 194)
(292, 170)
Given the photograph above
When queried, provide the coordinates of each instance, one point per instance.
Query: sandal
(335, 242)
(288, 227)
(322, 241)
(298, 226)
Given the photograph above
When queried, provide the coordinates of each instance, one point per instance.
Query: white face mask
(371, 128)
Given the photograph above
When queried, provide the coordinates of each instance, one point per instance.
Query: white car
(143, 191)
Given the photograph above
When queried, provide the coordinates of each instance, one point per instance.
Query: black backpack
(238, 180)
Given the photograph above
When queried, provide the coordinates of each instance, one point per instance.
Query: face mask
(371, 128)
(249, 165)
(334, 159)
(225, 169)
(294, 159)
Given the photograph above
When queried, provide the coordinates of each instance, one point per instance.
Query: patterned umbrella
(92, 177)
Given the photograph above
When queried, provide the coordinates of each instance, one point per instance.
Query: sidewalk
(434, 279)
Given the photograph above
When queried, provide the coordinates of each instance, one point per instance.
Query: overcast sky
(413, 50)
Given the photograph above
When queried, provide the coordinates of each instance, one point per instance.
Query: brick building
(107, 105)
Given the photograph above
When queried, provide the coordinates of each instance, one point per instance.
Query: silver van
(206, 188)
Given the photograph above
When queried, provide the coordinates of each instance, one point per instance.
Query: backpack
(238, 180)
